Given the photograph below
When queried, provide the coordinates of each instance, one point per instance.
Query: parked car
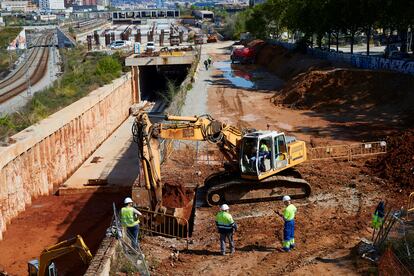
(150, 46)
(119, 44)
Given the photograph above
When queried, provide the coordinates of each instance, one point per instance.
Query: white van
(119, 44)
(150, 46)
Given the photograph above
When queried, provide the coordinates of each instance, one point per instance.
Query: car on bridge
(119, 44)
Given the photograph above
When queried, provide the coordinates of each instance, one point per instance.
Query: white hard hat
(128, 200)
(224, 207)
(286, 198)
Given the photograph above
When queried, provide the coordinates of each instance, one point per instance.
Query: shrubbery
(83, 72)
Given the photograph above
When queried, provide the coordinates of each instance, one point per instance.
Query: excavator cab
(263, 152)
(33, 267)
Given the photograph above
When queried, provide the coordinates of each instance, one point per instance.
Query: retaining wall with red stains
(44, 155)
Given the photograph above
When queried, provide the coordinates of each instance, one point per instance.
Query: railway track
(17, 83)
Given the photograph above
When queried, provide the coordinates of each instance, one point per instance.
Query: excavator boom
(55, 251)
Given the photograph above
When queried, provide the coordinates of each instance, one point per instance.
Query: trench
(54, 218)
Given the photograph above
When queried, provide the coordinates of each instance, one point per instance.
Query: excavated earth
(344, 194)
(51, 219)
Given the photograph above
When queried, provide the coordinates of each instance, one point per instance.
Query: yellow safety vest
(289, 212)
(127, 217)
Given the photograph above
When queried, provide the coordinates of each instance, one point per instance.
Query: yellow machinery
(260, 163)
(45, 265)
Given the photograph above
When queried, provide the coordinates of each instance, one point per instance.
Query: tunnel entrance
(153, 80)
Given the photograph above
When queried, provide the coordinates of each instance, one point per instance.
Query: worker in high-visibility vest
(129, 221)
(288, 216)
(226, 227)
(378, 216)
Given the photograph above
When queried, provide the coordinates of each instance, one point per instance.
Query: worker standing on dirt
(226, 227)
(209, 61)
(289, 227)
(206, 64)
(129, 221)
(378, 217)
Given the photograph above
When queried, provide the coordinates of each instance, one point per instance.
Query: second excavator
(260, 164)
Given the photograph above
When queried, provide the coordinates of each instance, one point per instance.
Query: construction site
(341, 140)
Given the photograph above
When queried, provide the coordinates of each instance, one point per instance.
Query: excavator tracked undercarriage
(231, 189)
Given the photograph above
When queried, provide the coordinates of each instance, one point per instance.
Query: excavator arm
(196, 128)
(261, 162)
(55, 251)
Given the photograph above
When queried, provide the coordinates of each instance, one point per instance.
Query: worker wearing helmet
(226, 227)
(128, 220)
(289, 227)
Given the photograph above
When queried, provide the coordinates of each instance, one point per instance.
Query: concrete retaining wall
(43, 156)
(103, 259)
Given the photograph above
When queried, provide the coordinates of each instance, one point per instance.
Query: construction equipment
(253, 174)
(45, 265)
(211, 38)
(245, 54)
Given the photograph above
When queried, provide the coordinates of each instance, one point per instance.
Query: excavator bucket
(177, 217)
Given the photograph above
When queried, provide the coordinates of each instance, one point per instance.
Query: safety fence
(132, 253)
(196, 152)
(395, 238)
(347, 152)
(390, 265)
(157, 223)
(357, 60)
(208, 154)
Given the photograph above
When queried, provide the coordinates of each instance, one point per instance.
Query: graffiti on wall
(367, 62)
(359, 61)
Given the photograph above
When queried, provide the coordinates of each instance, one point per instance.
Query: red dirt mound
(324, 90)
(287, 64)
(176, 196)
(397, 165)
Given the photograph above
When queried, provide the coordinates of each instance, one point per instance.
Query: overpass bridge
(137, 16)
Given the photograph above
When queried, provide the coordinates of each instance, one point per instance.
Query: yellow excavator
(45, 265)
(260, 163)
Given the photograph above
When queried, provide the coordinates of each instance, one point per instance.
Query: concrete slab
(162, 59)
(111, 168)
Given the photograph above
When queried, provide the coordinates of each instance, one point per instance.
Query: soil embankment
(397, 166)
(371, 103)
(286, 64)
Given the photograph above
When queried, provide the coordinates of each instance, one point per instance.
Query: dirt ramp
(397, 165)
(325, 90)
(287, 64)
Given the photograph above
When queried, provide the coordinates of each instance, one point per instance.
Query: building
(89, 2)
(104, 3)
(137, 16)
(48, 5)
(14, 6)
(204, 15)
